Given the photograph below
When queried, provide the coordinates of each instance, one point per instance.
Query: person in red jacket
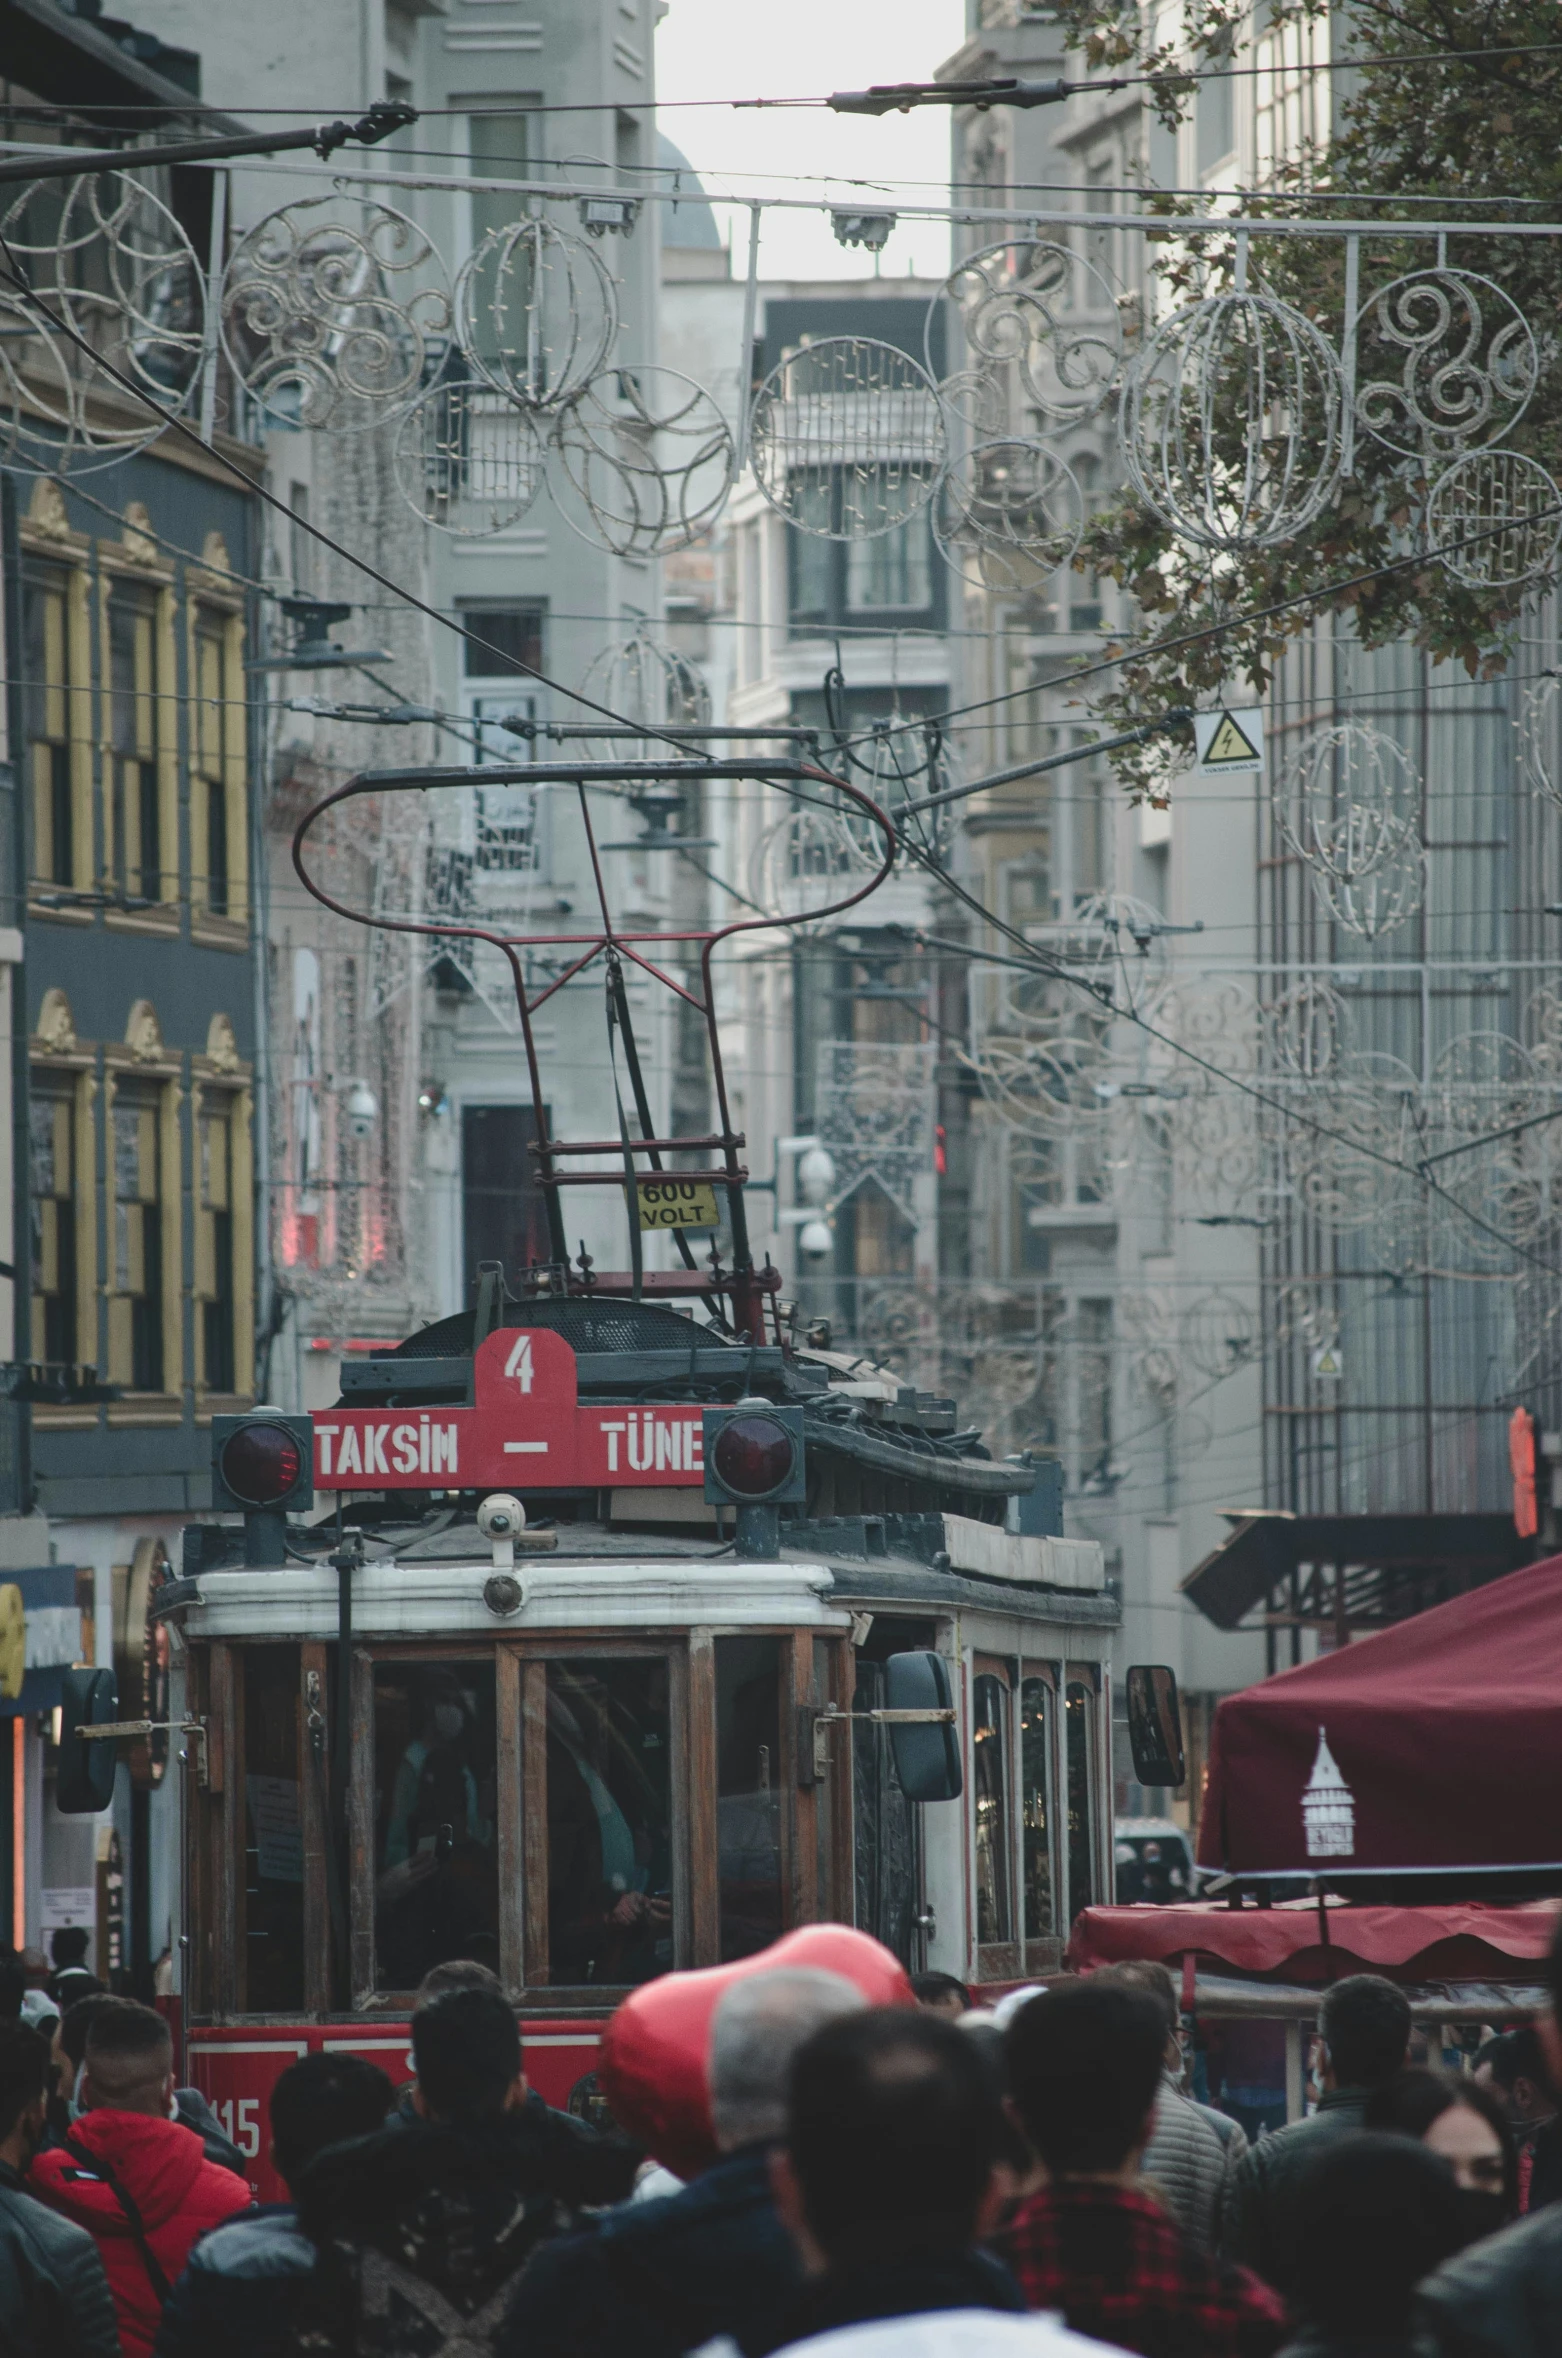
(139, 2183)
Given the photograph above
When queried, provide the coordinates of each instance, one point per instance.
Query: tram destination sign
(526, 1430)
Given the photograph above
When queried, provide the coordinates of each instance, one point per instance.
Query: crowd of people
(937, 2182)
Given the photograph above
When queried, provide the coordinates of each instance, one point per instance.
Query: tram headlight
(754, 1455)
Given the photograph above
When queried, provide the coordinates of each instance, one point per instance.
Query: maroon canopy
(1437, 1743)
(1457, 1940)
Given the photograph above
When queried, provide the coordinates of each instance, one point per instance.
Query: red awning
(1456, 1941)
(1435, 1744)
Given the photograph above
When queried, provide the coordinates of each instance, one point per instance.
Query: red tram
(635, 1631)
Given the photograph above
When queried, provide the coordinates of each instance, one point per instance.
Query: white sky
(725, 49)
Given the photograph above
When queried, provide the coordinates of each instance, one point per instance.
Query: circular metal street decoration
(848, 438)
(1008, 515)
(1043, 311)
(467, 460)
(536, 312)
(1459, 358)
(1231, 422)
(1495, 519)
(649, 458)
(329, 310)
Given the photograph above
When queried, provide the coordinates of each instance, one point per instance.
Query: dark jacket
(425, 2226)
(241, 2294)
(865, 2294)
(192, 2109)
(1260, 2228)
(54, 2297)
(1500, 2299)
(660, 2277)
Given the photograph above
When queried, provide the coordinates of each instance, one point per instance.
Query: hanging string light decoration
(1008, 515)
(648, 461)
(1459, 358)
(467, 460)
(1349, 805)
(1539, 760)
(1230, 422)
(847, 438)
(1042, 311)
(536, 312)
(331, 310)
(647, 684)
(106, 255)
(1495, 519)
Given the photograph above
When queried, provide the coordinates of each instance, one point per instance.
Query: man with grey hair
(663, 2277)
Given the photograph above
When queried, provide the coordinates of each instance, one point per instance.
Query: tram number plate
(678, 1203)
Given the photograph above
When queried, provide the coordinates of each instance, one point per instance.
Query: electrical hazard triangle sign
(1230, 739)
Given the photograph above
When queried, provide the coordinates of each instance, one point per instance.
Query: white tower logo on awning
(519, 1363)
(1328, 1808)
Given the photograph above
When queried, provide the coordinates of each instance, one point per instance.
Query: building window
(52, 1121)
(133, 714)
(835, 580)
(47, 654)
(216, 1275)
(217, 765)
(136, 1303)
(500, 143)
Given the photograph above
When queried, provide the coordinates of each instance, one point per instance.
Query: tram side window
(435, 1766)
(609, 1811)
(748, 1793)
(1080, 1737)
(272, 1952)
(990, 1779)
(1036, 1815)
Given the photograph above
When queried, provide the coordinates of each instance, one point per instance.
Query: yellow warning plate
(678, 1203)
(1231, 738)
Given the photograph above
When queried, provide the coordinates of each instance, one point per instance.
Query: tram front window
(748, 1789)
(610, 1899)
(437, 1886)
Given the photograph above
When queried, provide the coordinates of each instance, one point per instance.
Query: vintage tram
(622, 1609)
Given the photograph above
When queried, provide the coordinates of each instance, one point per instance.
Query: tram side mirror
(1155, 1725)
(926, 1752)
(85, 1777)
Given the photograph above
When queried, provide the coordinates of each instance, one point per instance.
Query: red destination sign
(525, 1431)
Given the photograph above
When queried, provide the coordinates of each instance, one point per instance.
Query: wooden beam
(534, 1822)
(360, 1833)
(704, 1853)
(314, 1775)
(512, 1866)
(800, 1871)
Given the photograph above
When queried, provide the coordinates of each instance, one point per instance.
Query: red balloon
(654, 2050)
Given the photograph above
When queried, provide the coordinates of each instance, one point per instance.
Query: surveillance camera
(814, 1239)
(363, 1109)
(500, 1516)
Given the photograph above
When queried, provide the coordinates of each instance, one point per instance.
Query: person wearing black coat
(661, 2277)
(54, 2296)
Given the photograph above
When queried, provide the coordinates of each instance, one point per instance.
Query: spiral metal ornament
(537, 311)
(1230, 423)
(1495, 519)
(1307, 1031)
(1460, 362)
(329, 310)
(848, 438)
(1008, 515)
(112, 261)
(649, 458)
(467, 461)
(1043, 311)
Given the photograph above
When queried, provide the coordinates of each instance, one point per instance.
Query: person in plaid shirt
(1094, 2245)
